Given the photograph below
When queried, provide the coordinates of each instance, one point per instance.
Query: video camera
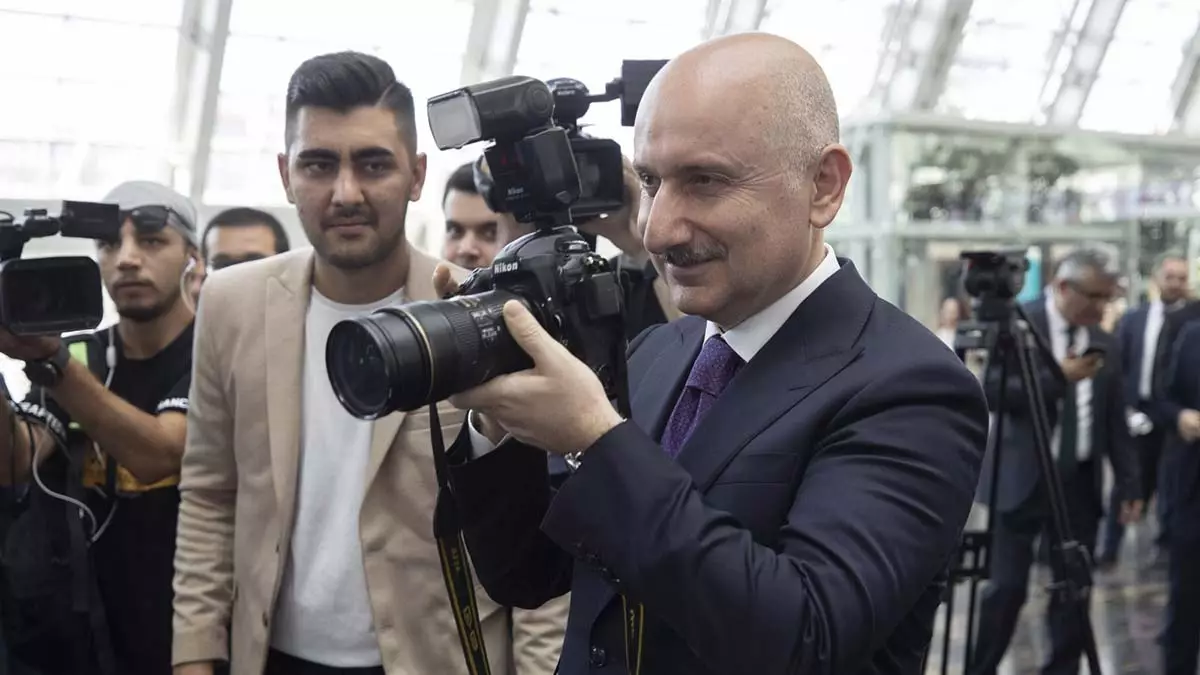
(993, 280)
(409, 356)
(51, 296)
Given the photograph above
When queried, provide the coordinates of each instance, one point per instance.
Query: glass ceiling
(845, 36)
(1145, 53)
(120, 68)
(587, 41)
(1010, 50)
(124, 83)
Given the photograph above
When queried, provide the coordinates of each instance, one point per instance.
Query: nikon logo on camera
(502, 267)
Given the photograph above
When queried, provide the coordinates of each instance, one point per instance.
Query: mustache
(687, 256)
(342, 213)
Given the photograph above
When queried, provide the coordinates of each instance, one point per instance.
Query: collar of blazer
(289, 291)
(820, 338)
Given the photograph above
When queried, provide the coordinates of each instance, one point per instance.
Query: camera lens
(406, 357)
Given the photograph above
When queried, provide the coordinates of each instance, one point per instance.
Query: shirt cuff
(480, 445)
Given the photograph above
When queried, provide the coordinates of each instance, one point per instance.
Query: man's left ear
(830, 178)
(282, 160)
(420, 169)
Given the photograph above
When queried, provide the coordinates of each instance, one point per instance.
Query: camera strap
(452, 550)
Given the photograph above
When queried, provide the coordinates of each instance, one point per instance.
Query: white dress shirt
(1083, 388)
(1154, 324)
(746, 338)
(749, 336)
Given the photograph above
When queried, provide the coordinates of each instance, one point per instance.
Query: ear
(284, 177)
(831, 176)
(420, 171)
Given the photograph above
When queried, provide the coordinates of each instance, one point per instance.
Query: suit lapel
(418, 286)
(288, 295)
(655, 398)
(819, 339)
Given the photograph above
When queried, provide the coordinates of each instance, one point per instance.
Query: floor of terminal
(1127, 614)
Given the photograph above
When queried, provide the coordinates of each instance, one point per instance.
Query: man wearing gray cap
(104, 426)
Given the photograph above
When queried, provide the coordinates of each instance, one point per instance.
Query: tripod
(1002, 329)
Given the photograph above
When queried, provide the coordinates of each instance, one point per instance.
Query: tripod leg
(1069, 560)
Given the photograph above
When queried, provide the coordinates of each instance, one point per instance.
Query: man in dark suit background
(1087, 417)
(1181, 478)
(801, 456)
(1139, 331)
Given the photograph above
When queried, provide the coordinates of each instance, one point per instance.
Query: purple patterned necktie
(711, 373)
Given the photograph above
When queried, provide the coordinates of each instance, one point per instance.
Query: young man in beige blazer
(307, 528)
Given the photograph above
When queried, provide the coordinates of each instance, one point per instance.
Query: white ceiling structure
(191, 92)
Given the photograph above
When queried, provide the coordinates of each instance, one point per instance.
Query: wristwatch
(48, 371)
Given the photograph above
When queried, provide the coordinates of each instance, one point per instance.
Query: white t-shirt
(323, 614)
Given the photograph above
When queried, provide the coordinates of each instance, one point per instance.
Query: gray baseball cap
(136, 194)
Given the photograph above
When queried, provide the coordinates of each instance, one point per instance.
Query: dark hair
(245, 217)
(347, 80)
(463, 180)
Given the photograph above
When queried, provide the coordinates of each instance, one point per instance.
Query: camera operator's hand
(1131, 511)
(194, 669)
(622, 227)
(558, 405)
(1077, 368)
(443, 282)
(1189, 425)
(24, 348)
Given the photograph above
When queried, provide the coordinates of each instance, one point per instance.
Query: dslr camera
(546, 174)
(51, 296)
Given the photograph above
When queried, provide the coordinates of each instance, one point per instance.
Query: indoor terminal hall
(559, 337)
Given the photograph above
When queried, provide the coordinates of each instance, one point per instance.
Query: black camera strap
(452, 551)
(456, 571)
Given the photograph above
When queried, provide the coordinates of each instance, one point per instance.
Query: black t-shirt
(134, 557)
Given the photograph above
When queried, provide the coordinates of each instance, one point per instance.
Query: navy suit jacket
(1020, 470)
(1166, 408)
(1181, 468)
(805, 527)
(1131, 331)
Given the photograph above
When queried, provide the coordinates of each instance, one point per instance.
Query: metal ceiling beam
(1085, 61)
(726, 17)
(921, 65)
(199, 60)
(1185, 90)
(494, 39)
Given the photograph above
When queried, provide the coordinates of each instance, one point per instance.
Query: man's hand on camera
(558, 405)
(24, 348)
(1077, 368)
(1189, 425)
(204, 668)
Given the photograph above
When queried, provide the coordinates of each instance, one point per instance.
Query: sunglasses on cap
(150, 219)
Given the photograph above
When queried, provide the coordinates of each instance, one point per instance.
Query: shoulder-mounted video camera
(51, 296)
(542, 172)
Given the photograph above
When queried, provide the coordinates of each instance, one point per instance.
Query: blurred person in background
(1139, 331)
(474, 232)
(307, 528)
(952, 311)
(1087, 425)
(240, 235)
(235, 236)
(104, 425)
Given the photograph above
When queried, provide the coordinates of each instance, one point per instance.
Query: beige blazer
(240, 471)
